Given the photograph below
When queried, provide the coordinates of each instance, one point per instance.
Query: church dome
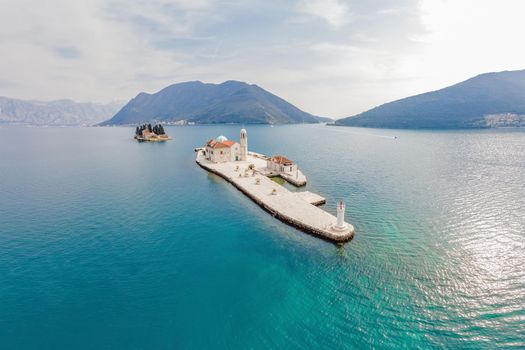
(243, 131)
(221, 138)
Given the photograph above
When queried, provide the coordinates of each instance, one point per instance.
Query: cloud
(329, 57)
(158, 17)
(4, 83)
(465, 38)
(116, 48)
(336, 13)
(67, 52)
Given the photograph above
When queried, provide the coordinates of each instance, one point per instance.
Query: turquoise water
(107, 243)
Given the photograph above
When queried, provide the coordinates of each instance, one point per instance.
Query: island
(250, 173)
(148, 133)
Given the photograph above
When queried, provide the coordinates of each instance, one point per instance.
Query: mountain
(324, 119)
(229, 102)
(58, 113)
(487, 100)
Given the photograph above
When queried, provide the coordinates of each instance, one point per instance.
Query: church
(221, 150)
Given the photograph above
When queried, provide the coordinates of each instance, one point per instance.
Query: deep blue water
(110, 244)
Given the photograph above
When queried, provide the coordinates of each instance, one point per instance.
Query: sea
(107, 243)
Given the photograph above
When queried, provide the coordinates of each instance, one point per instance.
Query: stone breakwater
(293, 208)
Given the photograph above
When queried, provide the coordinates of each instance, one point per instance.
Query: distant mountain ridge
(487, 100)
(204, 103)
(55, 113)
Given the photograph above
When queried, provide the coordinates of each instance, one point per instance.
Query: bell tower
(244, 144)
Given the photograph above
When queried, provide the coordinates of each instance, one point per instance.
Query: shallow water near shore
(110, 243)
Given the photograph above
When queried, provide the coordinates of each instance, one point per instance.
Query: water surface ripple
(106, 243)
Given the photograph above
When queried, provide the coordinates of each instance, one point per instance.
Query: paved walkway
(311, 197)
(287, 206)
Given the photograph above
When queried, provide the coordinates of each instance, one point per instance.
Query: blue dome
(221, 138)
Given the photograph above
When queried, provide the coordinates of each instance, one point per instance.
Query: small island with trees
(148, 133)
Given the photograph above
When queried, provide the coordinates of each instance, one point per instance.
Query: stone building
(281, 165)
(221, 150)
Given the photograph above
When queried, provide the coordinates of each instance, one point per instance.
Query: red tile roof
(229, 143)
(281, 160)
(217, 144)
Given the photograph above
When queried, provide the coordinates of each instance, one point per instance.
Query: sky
(328, 57)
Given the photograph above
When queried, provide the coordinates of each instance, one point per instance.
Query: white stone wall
(279, 168)
(221, 155)
(289, 169)
(236, 152)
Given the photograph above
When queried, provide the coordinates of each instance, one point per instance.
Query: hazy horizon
(330, 58)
